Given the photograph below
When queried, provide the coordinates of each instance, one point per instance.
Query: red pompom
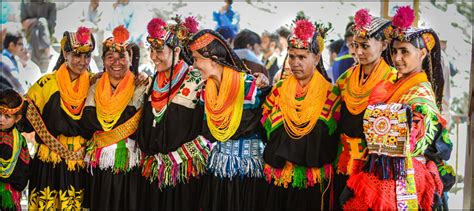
(156, 28)
(191, 24)
(83, 35)
(304, 29)
(404, 17)
(121, 34)
(362, 18)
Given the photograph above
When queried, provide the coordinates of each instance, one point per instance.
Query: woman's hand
(142, 79)
(95, 77)
(261, 80)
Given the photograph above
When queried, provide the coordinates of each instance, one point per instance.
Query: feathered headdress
(366, 25)
(308, 35)
(119, 41)
(80, 41)
(160, 33)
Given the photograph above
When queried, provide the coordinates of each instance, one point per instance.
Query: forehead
(400, 44)
(298, 52)
(113, 53)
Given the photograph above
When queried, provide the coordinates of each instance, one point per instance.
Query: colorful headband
(159, 33)
(403, 30)
(202, 41)
(366, 25)
(118, 43)
(11, 111)
(306, 34)
(79, 41)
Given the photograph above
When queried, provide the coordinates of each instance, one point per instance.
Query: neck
(72, 75)
(304, 82)
(218, 77)
(368, 68)
(406, 75)
(267, 55)
(115, 81)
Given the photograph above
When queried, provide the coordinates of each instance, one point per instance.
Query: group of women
(205, 133)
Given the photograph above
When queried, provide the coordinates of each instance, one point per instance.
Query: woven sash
(34, 117)
(106, 138)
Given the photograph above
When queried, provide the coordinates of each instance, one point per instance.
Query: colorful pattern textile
(178, 166)
(241, 157)
(298, 176)
(9, 197)
(48, 198)
(273, 117)
(350, 149)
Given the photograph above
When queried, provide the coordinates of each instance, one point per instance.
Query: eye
(364, 46)
(404, 51)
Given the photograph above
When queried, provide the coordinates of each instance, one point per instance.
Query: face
(283, 43)
(77, 63)
(205, 65)
(7, 120)
(368, 51)
(350, 45)
(256, 48)
(116, 64)
(265, 44)
(18, 48)
(163, 58)
(406, 57)
(302, 63)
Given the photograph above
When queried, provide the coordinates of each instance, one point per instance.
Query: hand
(261, 80)
(95, 77)
(26, 23)
(142, 79)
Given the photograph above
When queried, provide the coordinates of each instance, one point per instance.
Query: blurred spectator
(13, 44)
(270, 42)
(8, 81)
(38, 18)
(29, 71)
(284, 33)
(228, 33)
(334, 49)
(227, 17)
(345, 57)
(247, 47)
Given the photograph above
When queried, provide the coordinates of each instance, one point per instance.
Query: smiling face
(77, 63)
(302, 63)
(116, 64)
(368, 51)
(163, 57)
(406, 57)
(206, 66)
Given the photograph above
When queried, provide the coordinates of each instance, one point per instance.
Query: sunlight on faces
(368, 51)
(8, 120)
(77, 63)
(116, 64)
(163, 57)
(302, 63)
(406, 57)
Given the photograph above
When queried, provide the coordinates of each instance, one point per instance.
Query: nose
(358, 51)
(397, 57)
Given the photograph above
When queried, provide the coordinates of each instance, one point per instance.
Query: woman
(232, 106)
(171, 122)
(300, 117)
(111, 117)
(416, 184)
(356, 84)
(14, 156)
(55, 107)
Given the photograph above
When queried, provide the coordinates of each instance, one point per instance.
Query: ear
(177, 50)
(423, 53)
(384, 45)
(317, 58)
(18, 118)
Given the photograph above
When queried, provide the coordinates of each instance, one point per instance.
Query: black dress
(174, 156)
(114, 171)
(14, 179)
(299, 171)
(235, 167)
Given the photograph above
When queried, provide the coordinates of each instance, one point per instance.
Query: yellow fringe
(48, 156)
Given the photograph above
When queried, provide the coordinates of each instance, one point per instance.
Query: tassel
(6, 196)
(120, 156)
(299, 177)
